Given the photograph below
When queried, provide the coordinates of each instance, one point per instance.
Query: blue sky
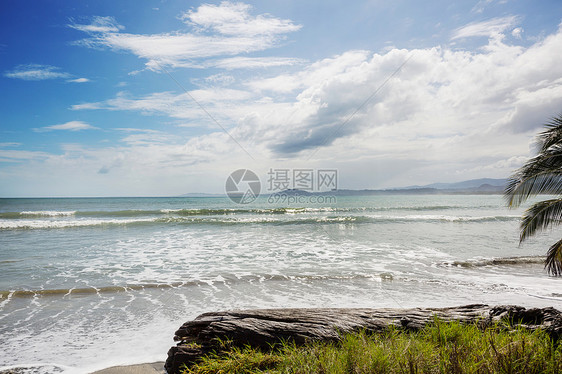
(151, 98)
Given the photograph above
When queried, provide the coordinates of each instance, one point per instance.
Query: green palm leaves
(542, 174)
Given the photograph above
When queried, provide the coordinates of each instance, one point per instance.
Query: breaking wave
(213, 212)
(70, 222)
(497, 261)
(8, 294)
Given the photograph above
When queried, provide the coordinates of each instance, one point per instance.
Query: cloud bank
(227, 29)
(447, 114)
(68, 126)
(36, 72)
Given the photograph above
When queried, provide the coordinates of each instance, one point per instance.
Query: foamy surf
(84, 280)
(48, 213)
(62, 223)
(38, 368)
(522, 260)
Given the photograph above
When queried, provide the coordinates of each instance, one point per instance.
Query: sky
(161, 98)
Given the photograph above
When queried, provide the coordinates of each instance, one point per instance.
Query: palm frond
(552, 135)
(518, 191)
(540, 216)
(540, 175)
(553, 262)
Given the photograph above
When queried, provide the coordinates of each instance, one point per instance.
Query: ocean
(88, 283)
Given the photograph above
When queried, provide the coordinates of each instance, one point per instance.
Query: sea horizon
(116, 271)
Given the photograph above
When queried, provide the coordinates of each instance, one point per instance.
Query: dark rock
(181, 356)
(263, 327)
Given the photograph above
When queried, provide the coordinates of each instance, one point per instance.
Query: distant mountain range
(197, 194)
(483, 186)
(472, 183)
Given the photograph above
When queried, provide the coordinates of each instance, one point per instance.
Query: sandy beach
(153, 368)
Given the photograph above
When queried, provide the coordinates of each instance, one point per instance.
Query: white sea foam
(48, 213)
(170, 261)
(166, 211)
(436, 218)
(38, 368)
(59, 219)
(57, 224)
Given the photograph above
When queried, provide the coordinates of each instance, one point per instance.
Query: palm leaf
(540, 216)
(553, 262)
(552, 135)
(540, 175)
(519, 190)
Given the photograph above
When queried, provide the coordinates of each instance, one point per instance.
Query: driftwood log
(264, 327)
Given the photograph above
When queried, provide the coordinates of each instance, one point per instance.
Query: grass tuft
(439, 348)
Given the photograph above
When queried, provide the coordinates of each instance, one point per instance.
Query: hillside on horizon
(477, 186)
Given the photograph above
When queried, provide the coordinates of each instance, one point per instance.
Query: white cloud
(9, 144)
(133, 129)
(36, 72)
(98, 25)
(481, 5)
(311, 74)
(492, 27)
(498, 167)
(516, 32)
(222, 102)
(255, 62)
(227, 29)
(447, 115)
(21, 155)
(235, 19)
(78, 80)
(220, 79)
(68, 126)
(145, 136)
(444, 104)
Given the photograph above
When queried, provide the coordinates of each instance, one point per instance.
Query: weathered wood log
(263, 327)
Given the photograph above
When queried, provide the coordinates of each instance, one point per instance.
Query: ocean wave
(42, 368)
(221, 211)
(224, 279)
(37, 214)
(64, 224)
(552, 296)
(496, 261)
(22, 224)
(85, 290)
(444, 218)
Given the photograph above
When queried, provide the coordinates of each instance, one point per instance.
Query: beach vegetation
(442, 347)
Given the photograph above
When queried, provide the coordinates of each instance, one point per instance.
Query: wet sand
(153, 368)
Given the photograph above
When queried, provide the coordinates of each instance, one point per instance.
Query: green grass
(440, 348)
